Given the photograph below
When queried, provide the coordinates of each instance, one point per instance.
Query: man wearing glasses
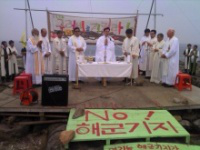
(77, 46)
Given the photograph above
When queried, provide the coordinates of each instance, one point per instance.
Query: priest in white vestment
(156, 74)
(130, 50)
(151, 53)
(34, 58)
(144, 51)
(46, 50)
(171, 52)
(77, 47)
(105, 47)
(5, 62)
(60, 53)
(186, 54)
(14, 53)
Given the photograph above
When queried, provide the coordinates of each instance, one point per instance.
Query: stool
(20, 83)
(183, 81)
(29, 78)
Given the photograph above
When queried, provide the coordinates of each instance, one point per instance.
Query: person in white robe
(130, 49)
(77, 47)
(151, 53)
(34, 58)
(171, 52)
(5, 62)
(60, 54)
(186, 54)
(14, 53)
(105, 47)
(46, 50)
(144, 51)
(156, 74)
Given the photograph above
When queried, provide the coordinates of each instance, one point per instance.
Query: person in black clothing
(5, 62)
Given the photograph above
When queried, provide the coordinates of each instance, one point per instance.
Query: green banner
(151, 146)
(109, 124)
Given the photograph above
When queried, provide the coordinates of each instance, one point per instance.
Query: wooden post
(104, 82)
(76, 86)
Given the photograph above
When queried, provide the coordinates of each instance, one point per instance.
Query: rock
(10, 85)
(190, 116)
(78, 113)
(18, 131)
(176, 100)
(197, 125)
(178, 118)
(186, 124)
(66, 136)
(53, 137)
(182, 101)
(11, 120)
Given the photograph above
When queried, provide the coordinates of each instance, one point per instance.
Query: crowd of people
(154, 58)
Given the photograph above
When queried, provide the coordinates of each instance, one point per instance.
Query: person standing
(105, 47)
(193, 62)
(14, 65)
(130, 49)
(151, 53)
(171, 52)
(144, 51)
(34, 58)
(186, 53)
(46, 50)
(60, 53)
(77, 47)
(6, 71)
(156, 73)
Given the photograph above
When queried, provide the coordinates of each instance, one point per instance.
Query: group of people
(191, 57)
(8, 55)
(157, 59)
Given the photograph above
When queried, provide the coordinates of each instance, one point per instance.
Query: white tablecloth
(99, 69)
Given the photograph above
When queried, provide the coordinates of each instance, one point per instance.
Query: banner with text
(91, 28)
(151, 146)
(103, 124)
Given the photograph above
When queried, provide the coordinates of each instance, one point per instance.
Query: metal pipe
(150, 13)
(155, 15)
(98, 13)
(26, 21)
(30, 13)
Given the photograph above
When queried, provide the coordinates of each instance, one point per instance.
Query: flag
(23, 40)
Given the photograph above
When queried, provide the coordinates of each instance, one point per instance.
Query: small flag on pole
(23, 40)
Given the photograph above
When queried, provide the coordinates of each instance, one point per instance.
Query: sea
(90, 51)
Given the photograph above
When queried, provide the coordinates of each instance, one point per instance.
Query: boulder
(78, 113)
(186, 124)
(197, 125)
(66, 136)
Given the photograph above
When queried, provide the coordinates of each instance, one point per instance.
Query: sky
(182, 15)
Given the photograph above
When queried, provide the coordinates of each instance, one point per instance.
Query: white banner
(91, 28)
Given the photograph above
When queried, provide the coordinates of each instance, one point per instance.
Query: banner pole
(136, 21)
(48, 25)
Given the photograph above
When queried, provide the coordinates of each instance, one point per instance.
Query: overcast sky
(182, 15)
